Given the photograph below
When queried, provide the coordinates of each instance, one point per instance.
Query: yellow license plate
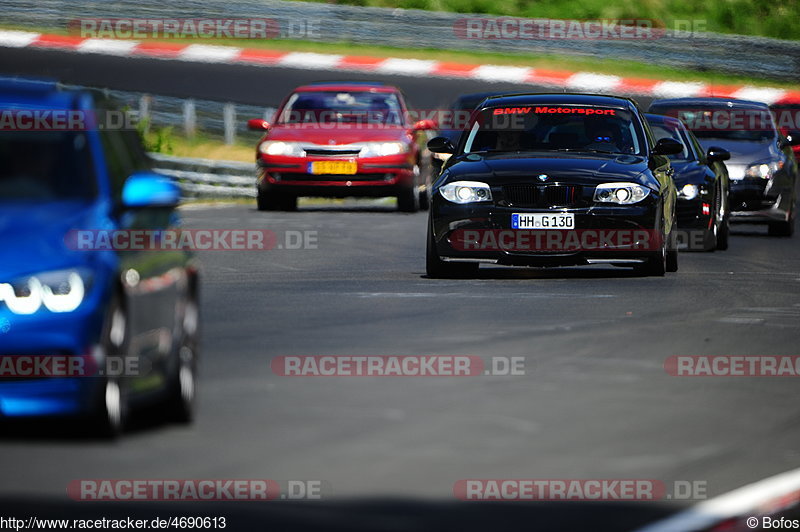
(333, 167)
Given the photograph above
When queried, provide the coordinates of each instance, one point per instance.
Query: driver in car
(602, 138)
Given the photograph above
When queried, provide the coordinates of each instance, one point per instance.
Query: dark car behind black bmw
(762, 166)
(554, 180)
(701, 178)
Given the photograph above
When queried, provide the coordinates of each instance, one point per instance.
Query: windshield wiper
(586, 150)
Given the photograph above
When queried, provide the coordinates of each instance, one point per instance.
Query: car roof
(710, 101)
(32, 92)
(663, 119)
(561, 99)
(347, 86)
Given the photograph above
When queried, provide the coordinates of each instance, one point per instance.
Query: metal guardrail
(208, 177)
(409, 28)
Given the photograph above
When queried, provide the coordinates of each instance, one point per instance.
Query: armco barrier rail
(207, 177)
(769, 58)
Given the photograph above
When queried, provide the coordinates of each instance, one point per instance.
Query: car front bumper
(47, 335)
(760, 201)
(374, 177)
(602, 234)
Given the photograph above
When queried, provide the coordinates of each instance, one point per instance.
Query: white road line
(206, 53)
(759, 94)
(412, 67)
(500, 73)
(107, 46)
(677, 89)
(310, 60)
(739, 502)
(593, 82)
(17, 39)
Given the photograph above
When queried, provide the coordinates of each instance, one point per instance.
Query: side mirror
(715, 154)
(441, 145)
(149, 189)
(667, 147)
(790, 140)
(257, 124)
(424, 125)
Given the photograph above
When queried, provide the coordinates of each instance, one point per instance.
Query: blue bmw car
(90, 332)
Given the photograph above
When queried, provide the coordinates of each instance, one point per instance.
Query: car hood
(743, 152)
(332, 135)
(688, 172)
(33, 236)
(590, 169)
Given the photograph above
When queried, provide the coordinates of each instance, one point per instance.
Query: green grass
(766, 18)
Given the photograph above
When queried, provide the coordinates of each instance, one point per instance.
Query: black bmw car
(702, 181)
(554, 180)
(762, 166)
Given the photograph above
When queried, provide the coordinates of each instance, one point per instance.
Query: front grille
(331, 177)
(321, 152)
(686, 210)
(749, 195)
(543, 196)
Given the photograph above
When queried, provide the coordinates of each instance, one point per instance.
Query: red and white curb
(577, 81)
(764, 497)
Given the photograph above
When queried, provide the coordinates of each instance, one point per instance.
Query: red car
(341, 140)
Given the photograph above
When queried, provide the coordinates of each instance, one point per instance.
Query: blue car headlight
(56, 291)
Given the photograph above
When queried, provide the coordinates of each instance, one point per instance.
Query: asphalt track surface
(595, 400)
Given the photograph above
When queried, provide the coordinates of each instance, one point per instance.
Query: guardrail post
(189, 118)
(229, 121)
(144, 112)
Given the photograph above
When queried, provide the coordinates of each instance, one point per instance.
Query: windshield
(728, 123)
(668, 131)
(45, 166)
(344, 107)
(547, 128)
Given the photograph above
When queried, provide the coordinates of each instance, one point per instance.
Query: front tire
(724, 232)
(111, 409)
(656, 264)
(785, 229)
(182, 392)
(408, 199)
(436, 268)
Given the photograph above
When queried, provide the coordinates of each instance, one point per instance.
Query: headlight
(382, 149)
(688, 192)
(59, 291)
(277, 147)
(622, 193)
(763, 170)
(466, 192)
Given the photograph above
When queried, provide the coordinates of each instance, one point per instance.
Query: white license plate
(561, 220)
